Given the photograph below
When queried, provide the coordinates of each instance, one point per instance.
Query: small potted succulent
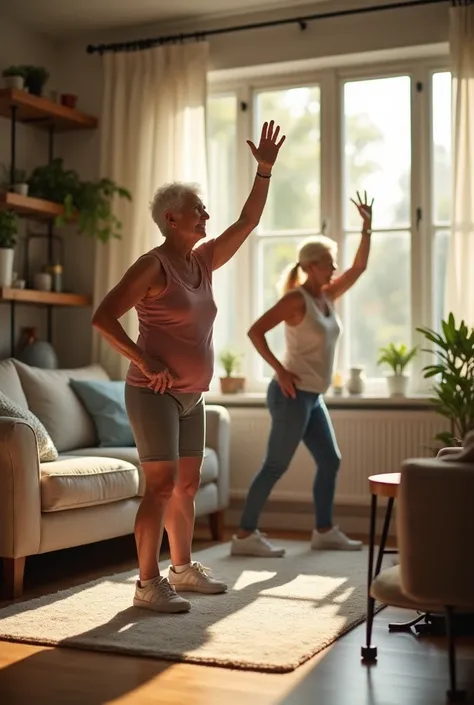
(8, 240)
(397, 357)
(14, 77)
(18, 182)
(231, 383)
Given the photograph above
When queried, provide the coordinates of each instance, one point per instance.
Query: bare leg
(179, 518)
(160, 478)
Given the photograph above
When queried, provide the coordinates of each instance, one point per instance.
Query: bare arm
(289, 309)
(343, 283)
(133, 287)
(227, 244)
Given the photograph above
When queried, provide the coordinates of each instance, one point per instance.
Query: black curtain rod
(141, 44)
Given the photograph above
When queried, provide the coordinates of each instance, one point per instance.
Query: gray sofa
(89, 493)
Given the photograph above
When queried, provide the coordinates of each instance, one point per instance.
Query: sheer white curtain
(459, 298)
(152, 132)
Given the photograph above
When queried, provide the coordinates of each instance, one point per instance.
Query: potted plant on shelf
(14, 77)
(20, 181)
(454, 369)
(89, 204)
(8, 240)
(397, 357)
(230, 361)
(35, 79)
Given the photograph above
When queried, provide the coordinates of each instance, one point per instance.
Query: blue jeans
(304, 418)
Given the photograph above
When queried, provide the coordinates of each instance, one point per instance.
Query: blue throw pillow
(105, 402)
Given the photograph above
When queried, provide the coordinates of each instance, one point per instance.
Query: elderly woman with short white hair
(171, 366)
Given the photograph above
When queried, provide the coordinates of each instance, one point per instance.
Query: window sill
(344, 401)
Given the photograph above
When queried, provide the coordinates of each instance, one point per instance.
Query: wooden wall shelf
(42, 112)
(30, 207)
(52, 298)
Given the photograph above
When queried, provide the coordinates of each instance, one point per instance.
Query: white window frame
(331, 78)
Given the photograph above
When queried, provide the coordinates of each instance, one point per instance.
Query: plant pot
(397, 385)
(35, 85)
(17, 82)
(232, 385)
(22, 189)
(69, 100)
(6, 266)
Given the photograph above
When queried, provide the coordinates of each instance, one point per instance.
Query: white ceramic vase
(6, 266)
(398, 385)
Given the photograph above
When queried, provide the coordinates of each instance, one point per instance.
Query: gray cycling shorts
(166, 426)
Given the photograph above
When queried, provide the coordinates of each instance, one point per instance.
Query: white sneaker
(160, 597)
(196, 578)
(334, 540)
(255, 544)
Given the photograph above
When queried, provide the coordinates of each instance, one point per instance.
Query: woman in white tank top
(295, 394)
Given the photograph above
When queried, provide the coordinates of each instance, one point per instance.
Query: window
(440, 185)
(221, 154)
(377, 159)
(347, 130)
(293, 209)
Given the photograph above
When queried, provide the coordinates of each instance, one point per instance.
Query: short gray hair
(170, 197)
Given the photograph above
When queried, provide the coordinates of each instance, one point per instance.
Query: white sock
(144, 583)
(181, 568)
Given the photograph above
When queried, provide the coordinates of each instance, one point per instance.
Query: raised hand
(267, 151)
(365, 210)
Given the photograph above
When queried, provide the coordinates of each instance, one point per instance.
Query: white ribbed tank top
(311, 346)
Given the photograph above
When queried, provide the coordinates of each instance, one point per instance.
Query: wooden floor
(409, 671)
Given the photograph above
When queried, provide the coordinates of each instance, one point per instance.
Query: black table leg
(369, 652)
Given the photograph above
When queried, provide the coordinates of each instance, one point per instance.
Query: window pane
(294, 197)
(274, 255)
(440, 262)
(377, 149)
(441, 146)
(221, 151)
(377, 309)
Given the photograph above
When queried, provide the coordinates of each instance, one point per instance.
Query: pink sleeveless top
(176, 326)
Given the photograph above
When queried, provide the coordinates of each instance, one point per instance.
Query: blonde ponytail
(290, 279)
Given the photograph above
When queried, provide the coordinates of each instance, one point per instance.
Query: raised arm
(290, 309)
(227, 244)
(341, 284)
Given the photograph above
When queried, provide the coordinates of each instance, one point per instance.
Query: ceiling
(60, 18)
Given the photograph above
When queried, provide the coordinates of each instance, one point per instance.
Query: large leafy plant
(89, 204)
(454, 373)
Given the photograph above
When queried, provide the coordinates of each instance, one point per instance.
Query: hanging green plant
(89, 204)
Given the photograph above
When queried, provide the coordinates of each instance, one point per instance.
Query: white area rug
(277, 613)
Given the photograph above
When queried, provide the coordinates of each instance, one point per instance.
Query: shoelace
(200, 568)
(165, 587)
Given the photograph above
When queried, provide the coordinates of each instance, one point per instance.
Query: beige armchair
(435, 526)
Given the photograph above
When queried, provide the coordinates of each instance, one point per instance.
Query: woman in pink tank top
(171, 365)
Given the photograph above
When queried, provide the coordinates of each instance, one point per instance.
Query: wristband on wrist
(264, 176)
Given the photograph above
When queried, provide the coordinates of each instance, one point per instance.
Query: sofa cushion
(209, 473)
(105, 402)
(46, 447)
(70, 482)
(52, 400)
(10, 383)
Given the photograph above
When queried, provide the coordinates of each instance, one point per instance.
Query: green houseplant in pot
(8, 240)
(453, 372)
(35, 79)
(87, 204)
(14, 77)
(397, 357)
(230, 361)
